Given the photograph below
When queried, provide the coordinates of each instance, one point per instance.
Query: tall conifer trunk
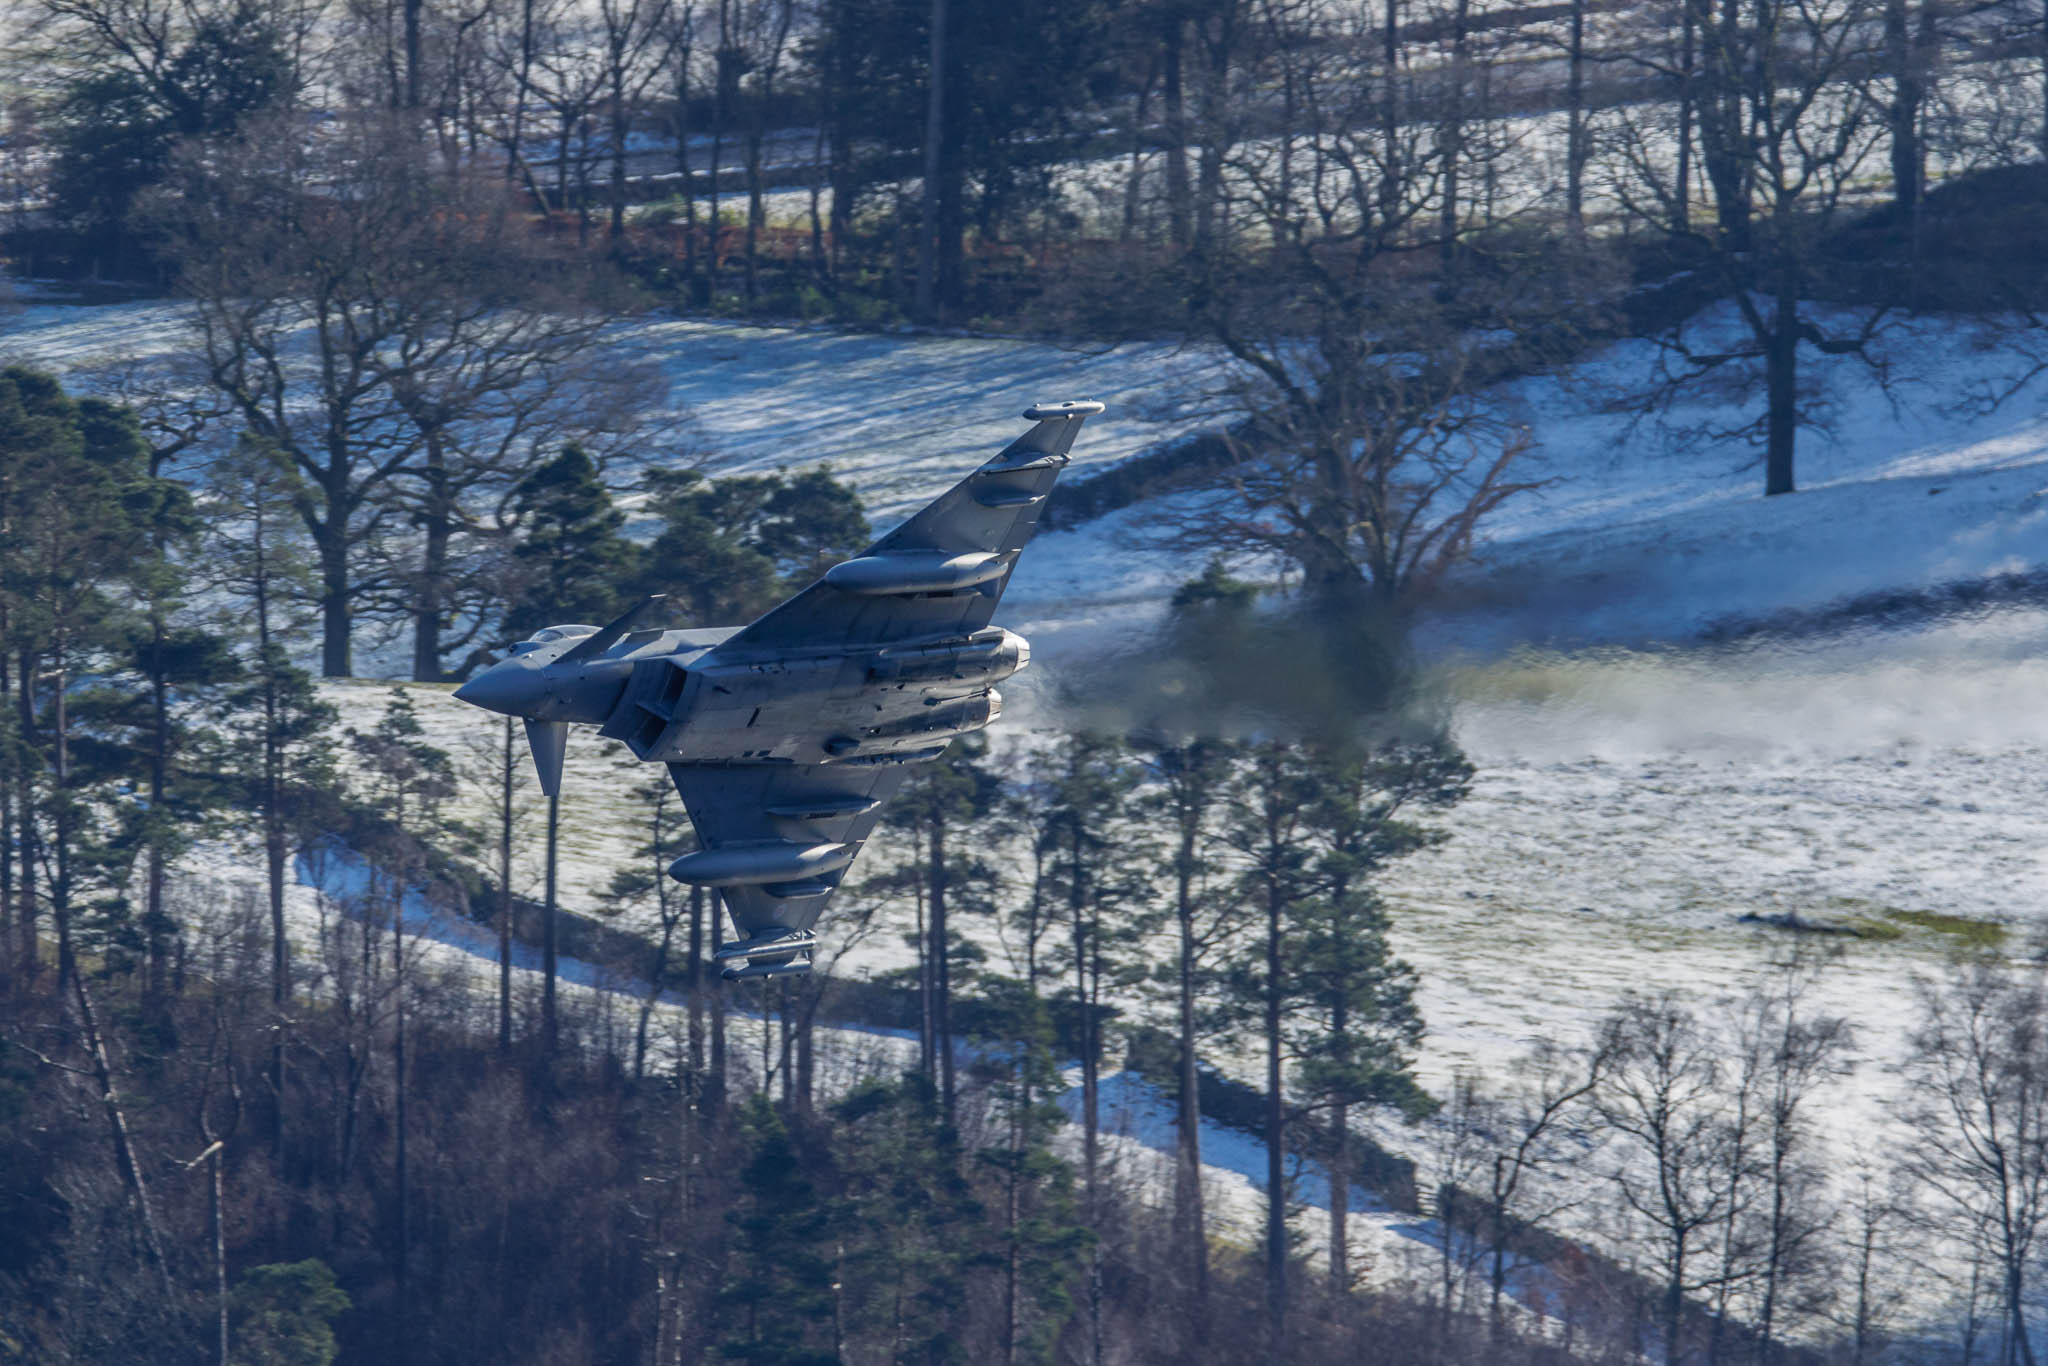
(550, 1024)
(274, 842)
(507, 761)
(930, 219)
(696, 974)
(29, 843)
(716, 1087)
(402, 1268)
(153, 915)
(1276, 1136)
(1190, 1221)
(62, 816)
(9, 930)
(942, 982)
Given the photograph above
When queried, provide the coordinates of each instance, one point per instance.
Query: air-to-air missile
(786, 736)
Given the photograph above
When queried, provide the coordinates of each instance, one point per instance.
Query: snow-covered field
(1639, 787)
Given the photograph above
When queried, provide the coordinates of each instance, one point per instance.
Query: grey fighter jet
(786, 736)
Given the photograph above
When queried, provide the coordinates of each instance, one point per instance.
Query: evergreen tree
(282, 1315)
(171, 656)
(777, 1300)
(277, 726)
(120, 121)
(810, 522)
(1094, 867)
(913, 1229)
(1044, 1247)
(729, 549)
(1186, 778)
(941, 802)
(169, 756)
(700, 558)
(1353, 1026)
(409, 778)
(572, 565)
(1268, 800)
(77, 504)
(168, 753)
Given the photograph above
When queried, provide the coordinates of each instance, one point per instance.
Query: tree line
(1376, 211)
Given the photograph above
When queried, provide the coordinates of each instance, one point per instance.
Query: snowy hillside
(1640, 789)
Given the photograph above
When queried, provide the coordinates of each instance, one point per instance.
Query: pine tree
(777, 1298)
(1268, 800)
(171, 757)
(700, 558)
(1044, 1247)
(1095, 873)
(77, 504)
(169, 654)
(810, 522)
(571, 562)
(913, 1230)
(276, 723)
(410, 779)
(940, 803)
(282, 1314)
(729, 549)
(1186, 779)
(1353, 1026)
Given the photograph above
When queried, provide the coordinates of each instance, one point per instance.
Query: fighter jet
(786, 736)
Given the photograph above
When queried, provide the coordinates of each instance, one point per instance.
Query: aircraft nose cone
(501, 688)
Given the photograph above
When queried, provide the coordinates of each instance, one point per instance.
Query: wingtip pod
(1058, 424)
(1077, 407)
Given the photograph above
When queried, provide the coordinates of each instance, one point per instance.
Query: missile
(767, 970)
(786, 941)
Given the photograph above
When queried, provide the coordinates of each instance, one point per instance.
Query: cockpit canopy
(548, 635)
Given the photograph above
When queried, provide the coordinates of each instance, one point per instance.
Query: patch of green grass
(1977, 934)
(1870, 927)
(1871, 920)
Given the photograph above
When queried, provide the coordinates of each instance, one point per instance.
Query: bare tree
(765, 30)
(1537, 1128)
(1791, 1052)
(1785, 131)
(1365, 453)
(1977, 1101)
(404, 345)
(639, 39)
(1663, 1099)
(557, 59)
(1878, 1217)
(1370, 462)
